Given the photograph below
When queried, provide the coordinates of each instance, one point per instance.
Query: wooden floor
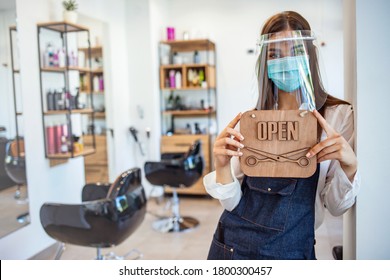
(190, 245)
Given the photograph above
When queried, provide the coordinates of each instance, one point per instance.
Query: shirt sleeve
(339, 193)
(229, 195)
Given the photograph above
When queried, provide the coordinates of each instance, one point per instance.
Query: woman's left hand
(334, 147)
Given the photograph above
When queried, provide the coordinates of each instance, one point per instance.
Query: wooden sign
(276, 143)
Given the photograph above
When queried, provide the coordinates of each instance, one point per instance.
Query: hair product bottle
(50, 100)
(58, 137)
(172, 83)
(95, 83)
(61, 58)
(170, 33)
(178, 79)
(50, 140)
(64, 138)
(196, 57)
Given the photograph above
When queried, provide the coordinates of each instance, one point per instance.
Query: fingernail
(240, 153)
(242, 137)
(308, 155)
(241, 145)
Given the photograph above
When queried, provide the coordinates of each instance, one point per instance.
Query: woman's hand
(226, 145)
(334, 147)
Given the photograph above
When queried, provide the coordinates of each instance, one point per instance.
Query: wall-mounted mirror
(14, 208)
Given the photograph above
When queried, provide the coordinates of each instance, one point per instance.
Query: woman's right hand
(227, 144)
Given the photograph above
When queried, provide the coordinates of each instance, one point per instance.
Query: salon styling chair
(179, 172)
(15, 165)
(108, 215)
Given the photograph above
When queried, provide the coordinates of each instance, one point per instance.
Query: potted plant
(70, 14)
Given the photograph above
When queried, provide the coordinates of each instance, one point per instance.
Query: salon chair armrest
(71, 215)
(95, 191)
(77, 223)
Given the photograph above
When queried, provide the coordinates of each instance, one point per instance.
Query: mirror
(14, 207)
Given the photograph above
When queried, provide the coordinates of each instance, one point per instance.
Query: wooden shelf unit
(66, 138)
(96, 165)
(209, 75)
(180, 143)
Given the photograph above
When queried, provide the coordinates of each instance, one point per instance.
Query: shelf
(85, 152)
(190, 45)
(94, 92)
(97, 71)
(62, 112)
(184, 69)
(188, 88)
(192, 65)
(63, 69)
(100, 115)
(189, 112)
(95, 51)
(199, 78)
(62, 26)
(67, 126)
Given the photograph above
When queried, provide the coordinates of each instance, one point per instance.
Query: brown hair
(294, 21)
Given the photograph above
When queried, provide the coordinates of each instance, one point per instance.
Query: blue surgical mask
(288, 72)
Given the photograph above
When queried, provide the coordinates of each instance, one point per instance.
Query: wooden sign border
(276, 143)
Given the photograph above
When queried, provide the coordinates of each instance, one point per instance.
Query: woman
(281, 224)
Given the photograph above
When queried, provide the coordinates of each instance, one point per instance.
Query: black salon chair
(178, 172)
(109, 214)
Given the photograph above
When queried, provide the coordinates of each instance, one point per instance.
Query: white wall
(144, 108)
(373, 99)
(235, 26)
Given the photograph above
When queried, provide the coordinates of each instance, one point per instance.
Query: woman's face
(284, 48)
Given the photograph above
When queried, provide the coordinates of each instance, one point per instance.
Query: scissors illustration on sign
(253, 160)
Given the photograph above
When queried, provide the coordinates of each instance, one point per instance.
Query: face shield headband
(287, 65)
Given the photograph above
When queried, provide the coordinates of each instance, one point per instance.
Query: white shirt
(334, 190)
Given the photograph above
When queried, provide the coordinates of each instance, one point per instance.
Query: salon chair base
(21, 194)
(174, 224)
(23, 218)
(133, 254)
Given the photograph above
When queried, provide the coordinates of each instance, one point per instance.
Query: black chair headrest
(194, 149)
(124, 181)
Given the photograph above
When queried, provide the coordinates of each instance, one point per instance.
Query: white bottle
(178, 79)
(81, 59)
(61, 58)
(95, 83)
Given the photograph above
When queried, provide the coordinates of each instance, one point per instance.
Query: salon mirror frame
(14, 204)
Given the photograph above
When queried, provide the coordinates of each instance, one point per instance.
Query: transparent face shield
(287, 72)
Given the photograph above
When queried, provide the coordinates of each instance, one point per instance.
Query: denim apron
(273, 220)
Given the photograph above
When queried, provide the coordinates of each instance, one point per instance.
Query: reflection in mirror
(14, 211)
